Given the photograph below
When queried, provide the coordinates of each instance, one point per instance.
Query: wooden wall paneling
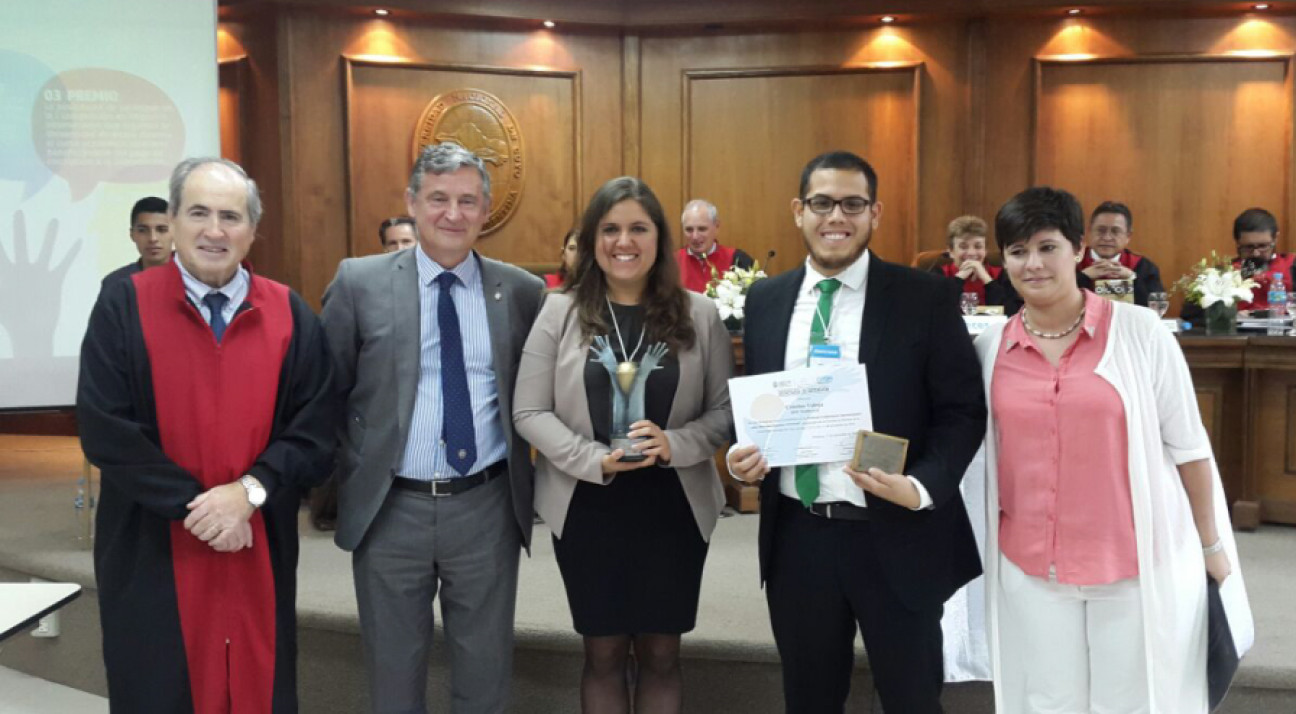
(232, 105)
(1186, 141)
(731, 116)
(631, 105)
(385, 101)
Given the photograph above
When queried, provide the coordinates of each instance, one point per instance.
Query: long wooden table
(1246, 390)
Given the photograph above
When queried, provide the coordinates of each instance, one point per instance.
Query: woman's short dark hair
(1254, 220)
(1041, 208)
(666, 304)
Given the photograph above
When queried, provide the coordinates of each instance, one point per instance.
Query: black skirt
(631, 556)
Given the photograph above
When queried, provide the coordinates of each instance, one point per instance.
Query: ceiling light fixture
(382, 12)
(887, 19)
(1261, 6)
(1074, 11)
(549, 24)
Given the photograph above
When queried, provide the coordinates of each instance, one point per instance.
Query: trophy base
(625, 444)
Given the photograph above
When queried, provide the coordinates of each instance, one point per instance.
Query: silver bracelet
(1214, 548)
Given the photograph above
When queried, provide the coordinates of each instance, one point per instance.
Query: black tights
(606, 680)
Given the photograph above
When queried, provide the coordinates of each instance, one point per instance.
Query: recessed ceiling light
(1073, 11)
(381, 12)
(1261, 6)
(549, 24)
(887, 19)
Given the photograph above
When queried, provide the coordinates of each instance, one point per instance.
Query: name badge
(824, 355)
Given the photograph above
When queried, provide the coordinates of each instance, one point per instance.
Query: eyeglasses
(1104, 231)
(851, 205)
(1254, 249)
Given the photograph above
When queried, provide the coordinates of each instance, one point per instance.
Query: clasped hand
(748, 464)
(219, 518)
(651, 441)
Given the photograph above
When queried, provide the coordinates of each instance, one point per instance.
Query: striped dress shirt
(425, 454)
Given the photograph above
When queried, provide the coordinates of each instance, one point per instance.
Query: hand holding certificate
(802, 416)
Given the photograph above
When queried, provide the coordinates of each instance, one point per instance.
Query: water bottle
(1277, 305)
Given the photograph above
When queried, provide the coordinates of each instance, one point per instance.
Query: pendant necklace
(626, 369)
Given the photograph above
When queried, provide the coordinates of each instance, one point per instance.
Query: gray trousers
(465, 547)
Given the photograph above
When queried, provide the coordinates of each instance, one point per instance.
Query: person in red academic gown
(1108, 257)
(701, 252)
(205, 399)
(965, 261)
(1255, 232)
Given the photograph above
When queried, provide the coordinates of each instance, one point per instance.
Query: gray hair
(447, 158)
(186, 167)
(701, 203)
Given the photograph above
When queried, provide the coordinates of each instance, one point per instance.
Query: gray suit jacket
(551, 411)
(371, 317)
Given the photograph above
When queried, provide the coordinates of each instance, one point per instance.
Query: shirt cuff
(924, 498)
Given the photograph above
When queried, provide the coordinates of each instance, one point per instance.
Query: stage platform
(730, 664)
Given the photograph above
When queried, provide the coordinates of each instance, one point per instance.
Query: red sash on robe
(695, 272)
(1281, 263)
(215, 410)
(972, 284)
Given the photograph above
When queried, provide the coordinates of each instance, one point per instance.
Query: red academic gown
(1281, 263)
(167, 413)
(695, 272)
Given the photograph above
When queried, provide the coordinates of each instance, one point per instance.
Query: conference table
(23, 604)
(1246, 391)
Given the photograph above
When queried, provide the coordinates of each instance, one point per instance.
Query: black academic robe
(153, 617)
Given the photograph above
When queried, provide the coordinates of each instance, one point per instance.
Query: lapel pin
(497, 297)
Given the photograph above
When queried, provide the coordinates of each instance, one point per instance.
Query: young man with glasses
(843, 551)
(1255, 231)
(1111, 225)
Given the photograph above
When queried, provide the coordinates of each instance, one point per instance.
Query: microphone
(769, 257)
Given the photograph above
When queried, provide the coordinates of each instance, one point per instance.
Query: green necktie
(807, 475)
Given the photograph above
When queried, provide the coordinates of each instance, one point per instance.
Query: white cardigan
(1145, 365)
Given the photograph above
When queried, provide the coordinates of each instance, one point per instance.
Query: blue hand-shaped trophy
(629, 382)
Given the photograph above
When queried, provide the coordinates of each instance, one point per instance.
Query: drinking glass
(968, 303)
(1159, 302)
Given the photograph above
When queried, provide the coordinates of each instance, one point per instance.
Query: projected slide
(98, 101)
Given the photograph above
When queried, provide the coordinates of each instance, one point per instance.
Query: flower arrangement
(1217, 286)
(729, 291)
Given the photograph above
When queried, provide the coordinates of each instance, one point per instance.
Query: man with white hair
(205, 400)
(702, 256)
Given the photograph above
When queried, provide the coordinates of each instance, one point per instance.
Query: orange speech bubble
(95, 125)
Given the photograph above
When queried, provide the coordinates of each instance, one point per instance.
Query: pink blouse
(1064, 491)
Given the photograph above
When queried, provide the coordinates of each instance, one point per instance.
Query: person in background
(966, 261)
(150, 231)
(397, 233)
(1108, 256)
(702, 253)
(567, 261)
(1255, 234)
(1104, 505)
(630, 536)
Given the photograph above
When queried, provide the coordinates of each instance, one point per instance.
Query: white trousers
(1068, 649)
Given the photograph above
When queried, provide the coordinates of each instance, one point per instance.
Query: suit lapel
(782, 304)
(497, 295)
(406, 336)
(877, 309)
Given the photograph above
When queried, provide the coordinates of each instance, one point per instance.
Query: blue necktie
(457, 413)
(215, 302)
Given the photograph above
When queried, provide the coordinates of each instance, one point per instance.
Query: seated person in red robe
(1108, 257)
(1255, 233)
(701, 252)
(567, 261)
(965, 261)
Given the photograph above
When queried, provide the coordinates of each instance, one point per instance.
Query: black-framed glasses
(851, 205)
(1255, 249)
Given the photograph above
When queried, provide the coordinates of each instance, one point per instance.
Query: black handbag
(1221, 654)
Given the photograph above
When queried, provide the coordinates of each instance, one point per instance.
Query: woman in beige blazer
(630, 536)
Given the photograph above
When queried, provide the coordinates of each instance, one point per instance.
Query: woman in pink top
(1104, 504)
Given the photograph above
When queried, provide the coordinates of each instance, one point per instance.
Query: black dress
(631, 554)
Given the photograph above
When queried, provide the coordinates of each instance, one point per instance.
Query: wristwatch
(256, 493)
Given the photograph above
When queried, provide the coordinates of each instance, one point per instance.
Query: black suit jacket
(925, 385)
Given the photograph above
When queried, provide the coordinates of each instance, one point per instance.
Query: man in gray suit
(435, 488)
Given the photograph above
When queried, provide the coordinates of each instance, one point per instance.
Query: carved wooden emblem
(479, 122)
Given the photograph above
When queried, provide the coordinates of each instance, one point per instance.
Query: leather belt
(452, 486)
(839, 511)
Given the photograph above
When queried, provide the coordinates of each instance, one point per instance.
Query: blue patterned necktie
(215, 302)
(457, 412)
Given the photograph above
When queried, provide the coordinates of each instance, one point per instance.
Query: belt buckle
(827, 507)
(436, 488)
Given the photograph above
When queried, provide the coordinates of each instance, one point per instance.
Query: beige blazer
(551, 410)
